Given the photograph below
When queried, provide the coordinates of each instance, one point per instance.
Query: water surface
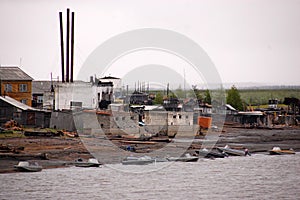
(255, 177)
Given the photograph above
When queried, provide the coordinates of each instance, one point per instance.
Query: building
(90, 95)
(42, 94)
(16, 84)
(117, 85)
(11, 109)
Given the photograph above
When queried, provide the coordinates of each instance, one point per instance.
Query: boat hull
(137, 162)
(183, 159)
(231, 152)
(29, 169)
(282, 152)
(211, 154)
(87, 164)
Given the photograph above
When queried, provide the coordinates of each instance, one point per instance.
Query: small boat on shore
(25, 166)
(279, 151)
(92, 162)
(186, 158)
(211, 154)
(233, 152)
(144, 160)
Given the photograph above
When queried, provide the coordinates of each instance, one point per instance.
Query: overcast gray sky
(247, 40)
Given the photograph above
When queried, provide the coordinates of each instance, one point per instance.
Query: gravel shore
(53, 152)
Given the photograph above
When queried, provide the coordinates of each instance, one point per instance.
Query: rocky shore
(53, 152)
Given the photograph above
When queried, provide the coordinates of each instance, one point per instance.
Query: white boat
(144, 160)
(233, 152)
(186, 158)
(92, 162)
(279, 151)
(28, 167)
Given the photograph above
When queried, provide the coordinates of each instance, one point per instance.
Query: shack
(11, 109)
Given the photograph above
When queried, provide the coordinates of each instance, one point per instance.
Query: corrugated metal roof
(16, 103)
(13, 74)
(41, 86)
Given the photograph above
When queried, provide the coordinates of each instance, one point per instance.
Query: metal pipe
(62, 47)
(72, 47)
(68, 46)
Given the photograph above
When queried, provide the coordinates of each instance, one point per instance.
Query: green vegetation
(249, 97)
(207, 98)
(158, 98)
(234, 98)
(11, 134)
(262, 96)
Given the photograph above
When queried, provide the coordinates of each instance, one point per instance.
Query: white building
(83, 95)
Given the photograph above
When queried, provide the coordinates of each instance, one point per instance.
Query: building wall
(156, 121)
(76, 92)
(8, 112)
(62, 120)
(16, 93)
(83, 92)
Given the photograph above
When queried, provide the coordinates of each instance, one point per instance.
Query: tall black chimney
(72, 47)
(62, 48)
(68, 46)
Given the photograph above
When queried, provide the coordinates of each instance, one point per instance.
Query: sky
(248, 41)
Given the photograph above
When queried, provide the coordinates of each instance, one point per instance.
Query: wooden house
(16, 84)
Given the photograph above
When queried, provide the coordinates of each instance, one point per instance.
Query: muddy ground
(52, 152)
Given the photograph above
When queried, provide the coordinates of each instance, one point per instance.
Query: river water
(256, 177)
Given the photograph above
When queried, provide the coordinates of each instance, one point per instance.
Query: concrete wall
(156, 121)
(62, 120)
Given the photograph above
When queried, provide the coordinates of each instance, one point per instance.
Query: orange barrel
(204, 122)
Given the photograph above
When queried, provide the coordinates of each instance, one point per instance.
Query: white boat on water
(144, 160)
(233, 152)
(92, 162)
(279, 151)
(28, 167)
(186, 158)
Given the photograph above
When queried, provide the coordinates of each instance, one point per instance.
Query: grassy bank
(261, 96)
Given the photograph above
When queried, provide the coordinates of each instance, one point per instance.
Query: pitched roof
(109, 77)
(16, 103)
(13, 74)
(41, 86)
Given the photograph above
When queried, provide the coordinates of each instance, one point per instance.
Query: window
(24, 101)
(23, 87)
(39, 99)
(8, 88)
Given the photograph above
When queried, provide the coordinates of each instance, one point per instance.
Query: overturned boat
(279, 151)
(25, 166)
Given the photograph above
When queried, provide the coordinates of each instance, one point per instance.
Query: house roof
(41, 87)
(229, 107)
(15, 103)
(13, 74)
(109, 77)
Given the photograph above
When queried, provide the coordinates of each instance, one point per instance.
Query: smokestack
(72, 47)
(62, 48)
(68, 46)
